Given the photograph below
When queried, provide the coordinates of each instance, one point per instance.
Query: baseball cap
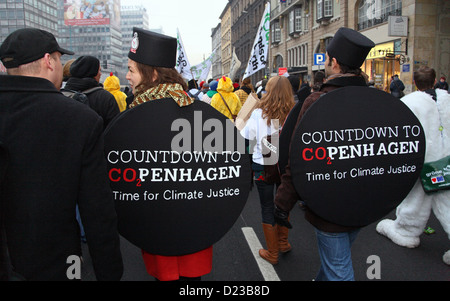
(27, 45)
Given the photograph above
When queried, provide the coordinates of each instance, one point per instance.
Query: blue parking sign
(319, 58)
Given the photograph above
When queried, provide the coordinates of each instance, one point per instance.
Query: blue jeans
(83, 235)
(266, 196)
(335, 255)
(266, 193)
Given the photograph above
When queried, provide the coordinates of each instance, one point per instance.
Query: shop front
(382, 63)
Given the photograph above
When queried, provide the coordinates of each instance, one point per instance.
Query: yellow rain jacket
(225, 88)
(112, 85)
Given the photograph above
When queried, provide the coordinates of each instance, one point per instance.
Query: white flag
(201, 71)
(258, 57)
(235, 64)
(183, 67)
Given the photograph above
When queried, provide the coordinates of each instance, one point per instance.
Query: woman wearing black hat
(151, 75)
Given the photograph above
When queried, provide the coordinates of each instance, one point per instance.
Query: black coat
(396, 87)
(56, 160)
(286, 195)
(101, 101)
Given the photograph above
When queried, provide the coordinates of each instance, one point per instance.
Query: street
(234, 260)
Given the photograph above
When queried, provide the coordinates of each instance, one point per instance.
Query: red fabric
(168, 268)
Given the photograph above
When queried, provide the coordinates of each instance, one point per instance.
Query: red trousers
(169, 268)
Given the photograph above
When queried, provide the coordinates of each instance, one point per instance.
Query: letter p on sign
(319, 59)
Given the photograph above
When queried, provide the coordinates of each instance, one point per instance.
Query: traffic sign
(319, 58)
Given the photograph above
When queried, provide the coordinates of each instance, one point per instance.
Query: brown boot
(271, 236)
(283, 245)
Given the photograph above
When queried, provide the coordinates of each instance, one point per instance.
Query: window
(374, 12)
(276, 32)
(298, 55)
(277, 63)
(295, 21)
(324, 9)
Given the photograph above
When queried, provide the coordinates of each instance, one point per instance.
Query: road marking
(266, 268)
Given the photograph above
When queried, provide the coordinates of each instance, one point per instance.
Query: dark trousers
(266, 193)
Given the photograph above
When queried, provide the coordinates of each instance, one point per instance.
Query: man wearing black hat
(153, 78)
(345, 54)
(85, 73)
(55, 162)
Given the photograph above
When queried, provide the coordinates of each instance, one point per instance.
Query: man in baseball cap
(27, 45)
(50, 136)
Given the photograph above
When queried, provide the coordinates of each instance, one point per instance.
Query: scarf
(338, 75)
(431, 92)
(174, 91)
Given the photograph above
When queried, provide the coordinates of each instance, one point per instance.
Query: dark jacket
(286, 196)
(101, 101)
(441, 85)
(56, 160)
(396, 87)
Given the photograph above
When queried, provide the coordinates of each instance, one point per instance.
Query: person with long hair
(265, 120)
(245, 89)
(151, 75)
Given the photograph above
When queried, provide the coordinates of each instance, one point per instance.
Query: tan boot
(271, 236)
(283, 245)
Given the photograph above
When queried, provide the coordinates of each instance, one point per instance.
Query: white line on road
(266, 268)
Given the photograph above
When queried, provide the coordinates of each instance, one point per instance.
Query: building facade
(407, 34)
(130, 16)
(226, 46)
(16, 14)
(99, 36)
(216, 38)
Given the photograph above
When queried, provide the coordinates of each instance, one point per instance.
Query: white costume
(413, 213)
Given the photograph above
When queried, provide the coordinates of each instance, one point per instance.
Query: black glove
(281, 217)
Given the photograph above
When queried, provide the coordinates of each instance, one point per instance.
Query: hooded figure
(226, 101)
(212, 91)
(112, 85)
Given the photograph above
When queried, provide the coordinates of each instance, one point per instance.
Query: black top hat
(27, 45)
(153, 49)
(350, 47)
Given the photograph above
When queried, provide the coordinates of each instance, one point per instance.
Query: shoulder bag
(435, 175)
(232, 115)
(246, 111)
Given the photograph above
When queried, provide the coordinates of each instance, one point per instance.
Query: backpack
(80, 96)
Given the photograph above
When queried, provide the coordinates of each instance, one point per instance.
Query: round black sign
(179, 176)
(356, 154)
